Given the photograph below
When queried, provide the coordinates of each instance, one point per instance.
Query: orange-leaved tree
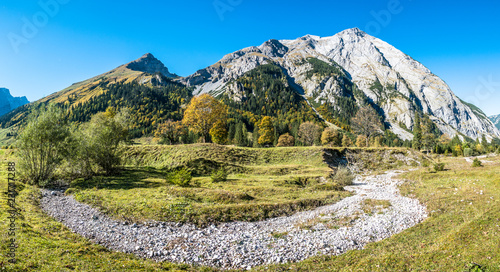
(202, 113)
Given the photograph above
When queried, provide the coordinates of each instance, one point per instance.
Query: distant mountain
(496, 120)
(146, 69)
(145, 86)
(334, 69)
(9, 103)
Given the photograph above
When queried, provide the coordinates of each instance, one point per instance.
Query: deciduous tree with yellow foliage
(202, 113)
(266, 131)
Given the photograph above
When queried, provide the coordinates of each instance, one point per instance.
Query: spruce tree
(244, 132)
(417, 132)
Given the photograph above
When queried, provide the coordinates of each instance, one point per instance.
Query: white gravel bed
(243, 245)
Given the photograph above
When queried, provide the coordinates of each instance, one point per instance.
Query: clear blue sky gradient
(458, 40)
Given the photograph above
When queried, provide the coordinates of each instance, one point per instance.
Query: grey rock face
(396, 82)
(149, 64)
(9, 103)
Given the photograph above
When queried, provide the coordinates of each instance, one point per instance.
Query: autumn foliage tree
(346, 141)
(366, 122)
(219, 132)
(330, 136)
(202, 113)
(170, 132)
(286, 140)
(309, 133)
(266, 131)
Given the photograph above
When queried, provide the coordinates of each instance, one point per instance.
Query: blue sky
(47, 45)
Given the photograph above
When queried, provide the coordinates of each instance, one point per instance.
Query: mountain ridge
(9, 103)
(398, 84)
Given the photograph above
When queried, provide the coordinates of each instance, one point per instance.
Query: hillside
(145, 86)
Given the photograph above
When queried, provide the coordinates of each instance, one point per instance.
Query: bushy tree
(219, 132)
(171, 132)
(361, 141)
(43, 144)
(309, 133)
(202, 113)
(346, 141)
(366, 122)
(266, 131)
(101, 138)
(330, 137)
(286, 140)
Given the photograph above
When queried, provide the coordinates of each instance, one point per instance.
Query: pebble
(237, 245)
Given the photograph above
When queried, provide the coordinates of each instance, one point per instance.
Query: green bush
(425, 162)
(439, 166)
(219, 175)
(468, 152)
(343, 176)
(477, 163)
(180, 177)
(299, 181)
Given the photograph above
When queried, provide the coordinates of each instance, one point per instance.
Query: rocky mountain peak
(149, 64)
(273, 48)
(8, 102)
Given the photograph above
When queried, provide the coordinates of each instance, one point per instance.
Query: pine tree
(238, 135)
(244, 132)
(417, 133)
(255, 136)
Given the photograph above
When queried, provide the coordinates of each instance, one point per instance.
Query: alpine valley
(311, 78)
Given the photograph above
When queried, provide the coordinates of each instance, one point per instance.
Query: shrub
(343, 176)
(467, 152)
(219, 175)
(439, 166)
(286, 140)
(299, 181)
(180, 177)
(477, 163)
(43, 144)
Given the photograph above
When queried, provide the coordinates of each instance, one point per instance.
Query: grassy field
(462, 232)
(462, 229)
(262, 184)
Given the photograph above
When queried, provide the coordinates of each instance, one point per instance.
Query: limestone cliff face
(324, 69)
(8, 102)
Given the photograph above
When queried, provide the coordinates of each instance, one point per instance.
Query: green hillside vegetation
(150, 105)
(266, 92)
